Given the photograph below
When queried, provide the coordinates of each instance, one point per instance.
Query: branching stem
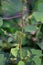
(20, 45)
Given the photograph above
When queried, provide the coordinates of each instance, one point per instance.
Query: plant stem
(20, 44)
(20, 47)
(20, 35)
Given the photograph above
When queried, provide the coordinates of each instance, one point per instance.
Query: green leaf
(37, 60)
(21, 63)
(1, 22)
(10, 39)
(40, 44)
(2, 59)
(38, 16)
(37, 3)
(30, 28)
(36, 52)
(14, 51)
(10, 7)
(40, 7)
(25, 52)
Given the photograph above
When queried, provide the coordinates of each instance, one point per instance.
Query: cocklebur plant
(20, 33)
(19, 50)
